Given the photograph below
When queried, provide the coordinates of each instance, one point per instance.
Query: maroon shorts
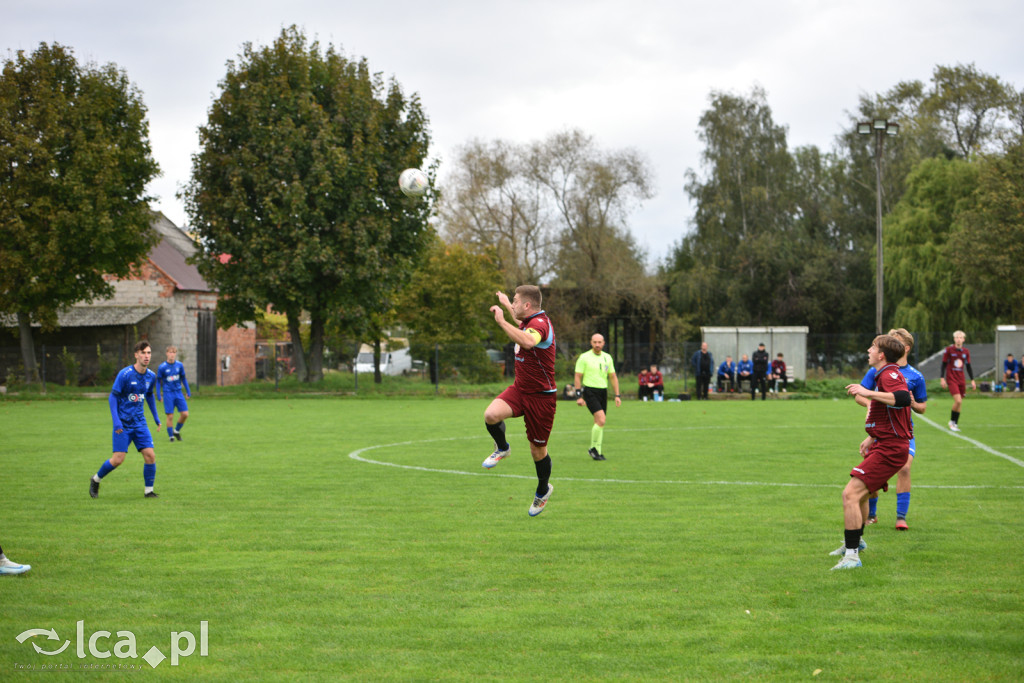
(956, 385)
(537, 409)
(885, 458)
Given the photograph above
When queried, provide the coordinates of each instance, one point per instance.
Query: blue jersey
(915, 382)
(1010, 366)
(171, 377)
(727, 369)
(746, 366)
(127, 395)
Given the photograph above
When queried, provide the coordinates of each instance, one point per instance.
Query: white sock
(95, 478)
(149, 489)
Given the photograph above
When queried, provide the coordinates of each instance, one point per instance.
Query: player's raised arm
(504, 301)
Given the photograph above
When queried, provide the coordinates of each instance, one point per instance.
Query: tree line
(294, 204)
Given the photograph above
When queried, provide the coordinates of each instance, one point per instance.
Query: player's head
(597, 343)
(905, 337)
(780, 355)
(529, 294)
(172, 352)
(1009, 356)
(744, 357)
(890, 347)
(760, 347)
(654, 368)
(143, 352)
(728, 359)
(959, 337)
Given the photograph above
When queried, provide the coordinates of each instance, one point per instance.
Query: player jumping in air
(132, 386)
(885, 449)
(954, 361)
(534, 393)
(171, 382)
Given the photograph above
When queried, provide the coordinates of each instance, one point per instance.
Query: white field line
(358, 456)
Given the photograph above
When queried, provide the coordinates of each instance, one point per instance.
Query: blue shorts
(174, 400)
(140, 435)
(913, 448)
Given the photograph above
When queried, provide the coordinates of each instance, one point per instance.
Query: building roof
(94, 316)
(171, 253)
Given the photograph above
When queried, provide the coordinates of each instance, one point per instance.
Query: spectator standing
(703, 363)
(760, 377)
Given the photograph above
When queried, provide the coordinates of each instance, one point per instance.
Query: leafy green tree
(924, 290)
(74, 163)
(988, 248)
(969, 104)
(294, 194)
(447, 303)
(743, 244)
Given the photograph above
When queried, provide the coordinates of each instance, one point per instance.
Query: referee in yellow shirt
(593, 371)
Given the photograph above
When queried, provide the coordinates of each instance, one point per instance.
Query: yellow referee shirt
(595, 369)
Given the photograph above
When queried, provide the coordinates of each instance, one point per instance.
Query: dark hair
(141, 346)
(531, 293)
(891, 347)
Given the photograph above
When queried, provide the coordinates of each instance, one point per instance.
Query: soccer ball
(413, 182)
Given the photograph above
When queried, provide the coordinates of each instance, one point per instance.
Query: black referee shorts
(596, 399)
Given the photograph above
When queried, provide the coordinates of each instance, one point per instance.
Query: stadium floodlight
(881, 128)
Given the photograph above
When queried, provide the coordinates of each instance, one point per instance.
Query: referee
(593, 370)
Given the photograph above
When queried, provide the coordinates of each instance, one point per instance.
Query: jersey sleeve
(869, 379)
(919, 390)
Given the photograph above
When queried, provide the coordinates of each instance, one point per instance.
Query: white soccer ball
(413, 182)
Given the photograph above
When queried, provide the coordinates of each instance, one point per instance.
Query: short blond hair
(172, 347)
(904, 336)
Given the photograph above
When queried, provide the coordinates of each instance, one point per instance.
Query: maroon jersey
(955, 359)
(535, 368)
(889, 422)
(779, 368)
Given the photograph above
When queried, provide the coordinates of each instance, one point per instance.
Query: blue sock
(149, 473)
(872, 507)
(105, 469)
(170, 429)
(178, 427)
(902, 504)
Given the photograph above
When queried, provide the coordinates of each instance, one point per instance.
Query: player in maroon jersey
(890, 428)
(534, 393)
(955, 360)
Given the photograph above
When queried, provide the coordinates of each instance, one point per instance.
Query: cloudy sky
(632, 74)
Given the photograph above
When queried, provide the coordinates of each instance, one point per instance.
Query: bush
(71, 367)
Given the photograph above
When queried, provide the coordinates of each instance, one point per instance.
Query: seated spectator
(744, 371)
(1011, 373)
(655, 382)
(779, 373)
(645, 391)
(727, 374)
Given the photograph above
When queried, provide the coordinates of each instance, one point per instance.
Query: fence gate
(206, 348)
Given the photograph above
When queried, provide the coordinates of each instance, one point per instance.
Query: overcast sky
(632, 74)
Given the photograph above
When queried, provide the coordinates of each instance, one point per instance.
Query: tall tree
(297, 181)
(987, 248)
(969, 104)
(742, 244)
(74, 163)
(446, 304)
(490, 203)
(925, 292)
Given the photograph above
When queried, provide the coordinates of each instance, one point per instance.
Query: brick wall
(238, 342)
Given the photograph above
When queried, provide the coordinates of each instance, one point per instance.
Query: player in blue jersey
(132, 386)
(919, 398)
(171, 382)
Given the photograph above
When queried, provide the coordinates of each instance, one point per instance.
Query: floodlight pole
(880, 128)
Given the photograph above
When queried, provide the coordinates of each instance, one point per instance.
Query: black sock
(543, 474)
(497, 433)
(852, 538)
(954, 416)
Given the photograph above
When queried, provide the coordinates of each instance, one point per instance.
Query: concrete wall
(736, 341)
(239, 344)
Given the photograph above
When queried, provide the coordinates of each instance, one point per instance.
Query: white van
(391, 362)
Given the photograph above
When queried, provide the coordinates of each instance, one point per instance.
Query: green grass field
(330, 539)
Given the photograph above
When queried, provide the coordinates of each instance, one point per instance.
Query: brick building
(167, 302)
